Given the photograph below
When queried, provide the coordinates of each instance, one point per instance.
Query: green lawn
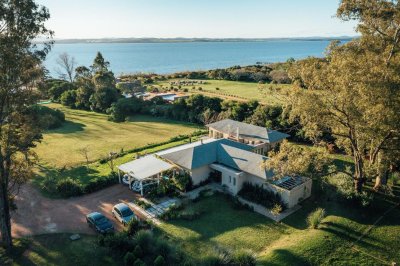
(61, 147)
(85, 173)
(233, 90)
(58, 250)
(220, 225)
(290, 242)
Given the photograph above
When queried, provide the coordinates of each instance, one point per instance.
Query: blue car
(99, 223)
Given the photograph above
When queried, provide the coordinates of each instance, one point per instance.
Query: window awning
(145, 167)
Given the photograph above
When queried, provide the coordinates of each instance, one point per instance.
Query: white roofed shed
(148, 167)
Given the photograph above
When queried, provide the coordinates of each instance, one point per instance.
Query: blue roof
(223, 151)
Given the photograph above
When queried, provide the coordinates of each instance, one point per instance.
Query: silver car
(123, 213)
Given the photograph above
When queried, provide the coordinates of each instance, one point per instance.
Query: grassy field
(233, 90)
(61, 147)
(58, 250)
(290, 242)
(85, 173)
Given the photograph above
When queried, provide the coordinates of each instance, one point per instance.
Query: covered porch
(143, 172)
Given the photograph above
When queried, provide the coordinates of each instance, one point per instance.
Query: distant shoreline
(188, 40)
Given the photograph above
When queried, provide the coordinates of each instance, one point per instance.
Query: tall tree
(20, 67)
(67, 66)
(353, 92)
(100, 64)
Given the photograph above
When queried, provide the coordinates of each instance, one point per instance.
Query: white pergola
(146, 168)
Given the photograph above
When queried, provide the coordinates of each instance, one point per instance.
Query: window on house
(234, 181)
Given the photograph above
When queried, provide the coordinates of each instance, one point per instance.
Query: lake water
(174, 57)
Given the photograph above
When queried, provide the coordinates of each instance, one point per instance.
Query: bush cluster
(69, 187)
(142, 248)
(47, 118)
(260, 195)
(315, 218)
(100, 183)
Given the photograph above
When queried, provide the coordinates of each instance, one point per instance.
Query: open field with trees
(92, 131)
(231, 90)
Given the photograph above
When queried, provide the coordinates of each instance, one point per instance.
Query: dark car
(99, 222)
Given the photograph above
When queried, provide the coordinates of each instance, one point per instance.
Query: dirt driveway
(37, 214)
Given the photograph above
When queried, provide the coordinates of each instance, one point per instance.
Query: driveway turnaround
(37, 214)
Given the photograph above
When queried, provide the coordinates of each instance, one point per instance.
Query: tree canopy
(353, 93)
(20, 70)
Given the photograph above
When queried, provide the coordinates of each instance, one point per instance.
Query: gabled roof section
(223, 151)
(200, 155)
(248, 131)
(243, 160)
(193, 157)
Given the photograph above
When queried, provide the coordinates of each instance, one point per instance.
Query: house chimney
(237, 134)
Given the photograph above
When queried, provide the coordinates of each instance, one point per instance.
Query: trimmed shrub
(260, 195)
(129, 259)
(100, 183)
(159, 261)
(315, 218)
(69, 187)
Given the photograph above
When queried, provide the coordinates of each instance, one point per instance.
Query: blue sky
(195, 18)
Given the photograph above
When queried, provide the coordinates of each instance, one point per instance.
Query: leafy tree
(68, 98)
(58, 88)
(353, 92)
(293, 160)
(100, 64)
(124, 107)
(102, 99)
(83, 95)
(20, 23)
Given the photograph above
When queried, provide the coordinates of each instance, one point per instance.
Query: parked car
(99, 222)
(123, 213)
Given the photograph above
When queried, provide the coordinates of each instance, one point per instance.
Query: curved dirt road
(37, 214)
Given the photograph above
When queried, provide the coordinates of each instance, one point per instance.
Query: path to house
(37, 214)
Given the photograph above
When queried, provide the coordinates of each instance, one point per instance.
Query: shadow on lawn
(69, 127)
(285, 257)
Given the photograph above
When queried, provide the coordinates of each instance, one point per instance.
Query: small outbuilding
(148, 168)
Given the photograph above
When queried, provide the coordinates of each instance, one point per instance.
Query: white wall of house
(230, 178)
(200, 174)
(294, 196)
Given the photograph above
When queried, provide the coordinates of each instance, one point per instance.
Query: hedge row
(71, 188)
(154, 145)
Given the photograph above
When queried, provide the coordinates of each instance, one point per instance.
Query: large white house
(234, 152)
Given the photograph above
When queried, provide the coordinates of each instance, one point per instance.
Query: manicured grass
(220, 225)
(85, 173)
(58, 249)
(291, 242)
(61, 147)
(234, 90)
